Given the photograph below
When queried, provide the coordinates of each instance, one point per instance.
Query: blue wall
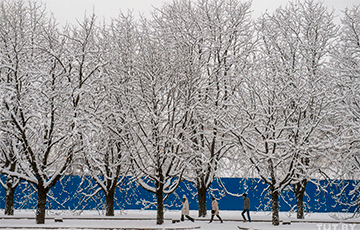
(73, 193)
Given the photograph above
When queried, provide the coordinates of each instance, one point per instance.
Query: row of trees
(198, 89)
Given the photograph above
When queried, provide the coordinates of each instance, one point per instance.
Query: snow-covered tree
(303, 43)
(8, 142)
(35, 100)
(106, 156)
(285, 102)
(213, 36)
(156, 116)
(225, 43)
(347, 66)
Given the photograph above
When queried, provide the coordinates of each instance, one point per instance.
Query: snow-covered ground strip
(146, 219)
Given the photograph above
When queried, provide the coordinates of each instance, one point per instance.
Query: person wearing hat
(185, 209)
(246, 207)
(214, 210)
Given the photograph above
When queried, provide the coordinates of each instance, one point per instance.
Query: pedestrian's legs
(182, 218)
(243, 214)
(212, 217)
(190, 218)
(248, 214)
(219, 217)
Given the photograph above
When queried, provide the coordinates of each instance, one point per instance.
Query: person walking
(246, 207)
(214, 210)
(185, 209)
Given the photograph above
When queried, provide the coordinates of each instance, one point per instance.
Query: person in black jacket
(246, 207)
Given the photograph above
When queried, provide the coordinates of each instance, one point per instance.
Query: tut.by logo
(336, 226)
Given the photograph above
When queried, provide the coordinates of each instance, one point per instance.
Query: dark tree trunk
(275, 208)
(299, 189)
(202, 200)
(299, 206)
(11, 184)
(160, 206)
(110, 202)
(41, 206)
(9, 200)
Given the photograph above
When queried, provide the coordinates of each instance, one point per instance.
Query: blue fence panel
(80, 193)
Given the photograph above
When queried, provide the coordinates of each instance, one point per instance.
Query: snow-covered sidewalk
(135, 219)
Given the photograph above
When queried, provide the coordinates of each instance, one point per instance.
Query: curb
(79, 218)
(130, 228)
(61, 219)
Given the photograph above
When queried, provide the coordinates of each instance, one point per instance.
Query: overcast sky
(70, 10)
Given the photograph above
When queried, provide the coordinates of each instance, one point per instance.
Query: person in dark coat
(185, 209)
(246, 207)
(214, 210)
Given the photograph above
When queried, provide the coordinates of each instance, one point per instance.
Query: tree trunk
(299, 206)
(41, 206)
(9, 200)
(299, 189)
(110, 202)
(11, 184)
(202, 200)
(275, 207)
(160, 206)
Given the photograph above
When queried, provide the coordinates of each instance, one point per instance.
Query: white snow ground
(133, 219)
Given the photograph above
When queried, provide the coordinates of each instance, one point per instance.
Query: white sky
(70, 10)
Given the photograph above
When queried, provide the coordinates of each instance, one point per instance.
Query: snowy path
(134, 220)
